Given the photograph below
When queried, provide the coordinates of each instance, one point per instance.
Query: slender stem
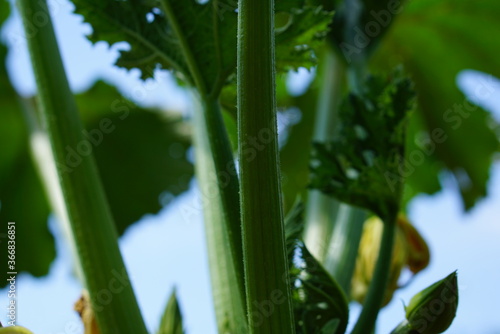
(342, 251)
(225, 174)
(322, 209)
(106, 278)
(376, 291)
(266, 268)
(226, 268)
(226, 178)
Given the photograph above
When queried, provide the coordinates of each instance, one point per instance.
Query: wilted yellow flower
(418, 251)
(82, 306)
(410, 250)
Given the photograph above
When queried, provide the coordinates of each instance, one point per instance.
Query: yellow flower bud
(433, 309)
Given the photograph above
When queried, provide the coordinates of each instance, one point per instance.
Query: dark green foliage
(359, 25)
(363, 165)
(141, 157)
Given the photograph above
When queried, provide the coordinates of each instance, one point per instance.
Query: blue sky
(464, 242)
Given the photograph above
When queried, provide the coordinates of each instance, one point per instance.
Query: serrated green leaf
(320, 306)
(436, 40)
(171, 320)
(363, 165)
(196, 40)
(166, 34)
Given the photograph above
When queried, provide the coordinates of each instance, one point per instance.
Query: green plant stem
(226, 270)
(268, 291)
(226, 178)
(92, 226)
(376, 291)
(225, 175)
(44, 160)
(322, 209)
(342, 252)
(333, 229)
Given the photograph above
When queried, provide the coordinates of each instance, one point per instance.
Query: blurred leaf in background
(295, 154)
(361, 166)
(435, 40)
(22, 199)
(141, 155)
(360, 25)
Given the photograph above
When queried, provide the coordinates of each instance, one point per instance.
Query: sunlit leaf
(363, 165)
